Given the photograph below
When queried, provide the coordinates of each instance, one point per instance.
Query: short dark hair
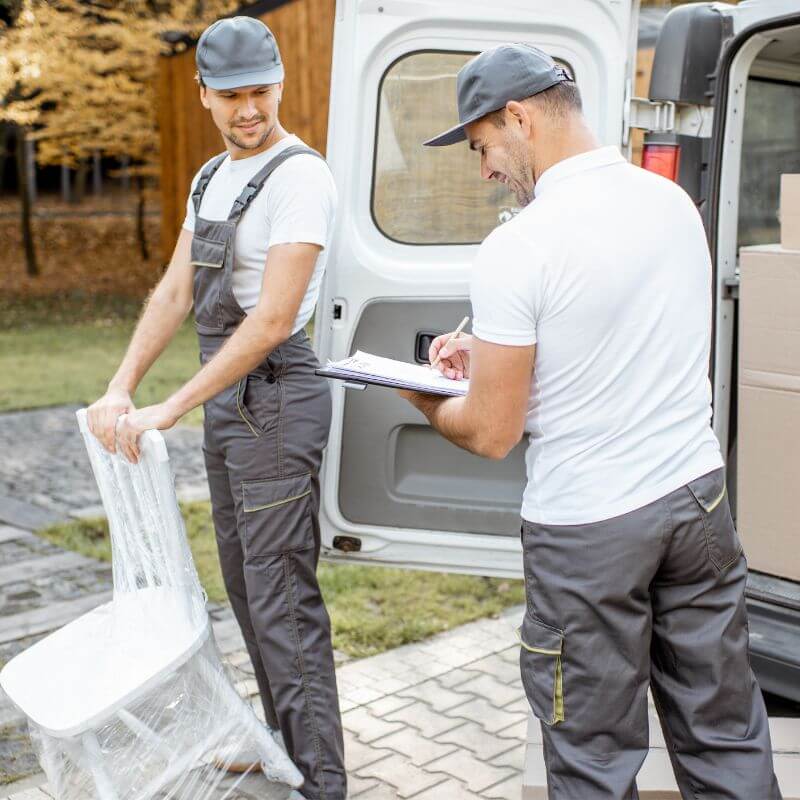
(559, 100)
(199, 80)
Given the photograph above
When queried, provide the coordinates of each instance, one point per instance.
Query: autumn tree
(79, 77)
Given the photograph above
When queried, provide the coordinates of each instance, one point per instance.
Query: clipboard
(364, 369)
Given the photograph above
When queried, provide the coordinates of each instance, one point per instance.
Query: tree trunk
(141, 234)
(80, 181)
(31, 266)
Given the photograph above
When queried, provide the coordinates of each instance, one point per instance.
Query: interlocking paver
(518, 730)
(509, 789)
(500, 666)
(368, 727)
(406, 779)
(477, 774)
(449, 790)
(513, 758)
(435, 695)
(388, 704)
(356, 787)
(488, 686)
(358, 755)
(417, 749)
(455, 677)
(492, 718)
(471, 736)
(424, 718)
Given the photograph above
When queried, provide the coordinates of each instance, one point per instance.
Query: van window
(429, 195)
(770, 146)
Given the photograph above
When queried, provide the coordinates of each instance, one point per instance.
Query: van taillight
(662, 158)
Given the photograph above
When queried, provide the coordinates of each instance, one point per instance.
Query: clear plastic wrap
(132, 701)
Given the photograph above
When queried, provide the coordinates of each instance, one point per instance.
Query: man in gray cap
(250, 259)
(591, 333)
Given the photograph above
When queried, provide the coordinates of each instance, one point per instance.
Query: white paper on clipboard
(370, 369)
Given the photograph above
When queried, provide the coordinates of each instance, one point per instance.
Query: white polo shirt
(608, 272)
(297, 204)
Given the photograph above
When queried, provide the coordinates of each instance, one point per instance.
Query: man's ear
(204, 97)
(520, 114)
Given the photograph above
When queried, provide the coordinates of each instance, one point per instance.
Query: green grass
(53, 354)
(372, 608)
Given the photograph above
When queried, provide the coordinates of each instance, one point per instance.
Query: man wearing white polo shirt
(592, 323)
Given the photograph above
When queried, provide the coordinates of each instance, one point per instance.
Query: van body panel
(410, 221)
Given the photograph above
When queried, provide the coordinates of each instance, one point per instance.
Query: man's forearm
(449, 416)
(161, 318)
(247, 347)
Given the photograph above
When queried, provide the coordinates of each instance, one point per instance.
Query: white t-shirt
(608, 272)
(296, 204)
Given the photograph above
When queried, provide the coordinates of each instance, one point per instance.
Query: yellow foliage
(81, 74)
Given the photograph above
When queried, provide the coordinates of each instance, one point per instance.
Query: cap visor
(260, 78)
(455, 134)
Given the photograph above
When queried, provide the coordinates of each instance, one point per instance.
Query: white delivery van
(724, 121)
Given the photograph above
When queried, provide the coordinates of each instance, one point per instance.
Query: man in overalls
(250, 259)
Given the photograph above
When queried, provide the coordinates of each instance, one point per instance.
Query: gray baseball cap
(238, 51)
(488, 81)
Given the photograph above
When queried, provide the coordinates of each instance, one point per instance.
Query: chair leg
(140, 729)
(94, 761)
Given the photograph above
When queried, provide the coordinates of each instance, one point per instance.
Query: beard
(232, 137)
(521, 176)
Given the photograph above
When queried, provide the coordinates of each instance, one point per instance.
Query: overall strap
(259, 179)
(202, 183)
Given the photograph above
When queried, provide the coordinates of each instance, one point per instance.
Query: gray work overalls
(263, 445)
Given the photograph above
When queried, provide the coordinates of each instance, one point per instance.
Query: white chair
(132, 698)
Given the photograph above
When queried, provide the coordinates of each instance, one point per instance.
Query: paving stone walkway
(45, 475)
(442, 719)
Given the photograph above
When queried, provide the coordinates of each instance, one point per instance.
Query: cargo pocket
(540, 666)
(208, 259)
(722, 540)
(277, 515)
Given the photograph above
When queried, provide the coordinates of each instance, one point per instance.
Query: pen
(456, 334)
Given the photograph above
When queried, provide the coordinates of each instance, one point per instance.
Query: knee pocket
(277, 515)
(540, 653)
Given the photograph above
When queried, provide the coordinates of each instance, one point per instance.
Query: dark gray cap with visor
(493, 78)
(238, 51)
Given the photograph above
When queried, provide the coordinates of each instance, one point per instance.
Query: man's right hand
(454, 363)
(104, 413)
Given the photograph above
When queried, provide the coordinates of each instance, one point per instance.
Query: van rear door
(410, 220)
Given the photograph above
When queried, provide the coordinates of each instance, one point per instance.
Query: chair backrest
(149, 547)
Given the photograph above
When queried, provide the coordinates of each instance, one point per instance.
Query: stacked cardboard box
(769, 396)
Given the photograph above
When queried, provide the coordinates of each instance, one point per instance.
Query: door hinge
(665, 116)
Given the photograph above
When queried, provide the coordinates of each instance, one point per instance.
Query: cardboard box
(768, 463)
(790, 212)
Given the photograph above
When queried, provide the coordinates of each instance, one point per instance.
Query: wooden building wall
(304, 30)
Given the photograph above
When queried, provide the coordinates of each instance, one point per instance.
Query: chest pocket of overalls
(208, 259)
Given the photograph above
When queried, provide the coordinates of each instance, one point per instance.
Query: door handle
(423, 346)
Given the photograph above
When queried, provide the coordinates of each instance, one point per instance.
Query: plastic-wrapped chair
(131, 701)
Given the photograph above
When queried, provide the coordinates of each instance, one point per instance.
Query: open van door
(409, 223)
(756, 377)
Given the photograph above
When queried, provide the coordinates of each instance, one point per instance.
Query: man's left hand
(131, 426)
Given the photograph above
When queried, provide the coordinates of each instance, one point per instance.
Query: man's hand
(131, 426)
(104, 413)
(455, 358)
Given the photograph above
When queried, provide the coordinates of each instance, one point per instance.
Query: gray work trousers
(650, 599)
(263, 445)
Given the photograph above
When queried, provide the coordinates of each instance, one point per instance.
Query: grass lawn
(56, 353)
(372, 608)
